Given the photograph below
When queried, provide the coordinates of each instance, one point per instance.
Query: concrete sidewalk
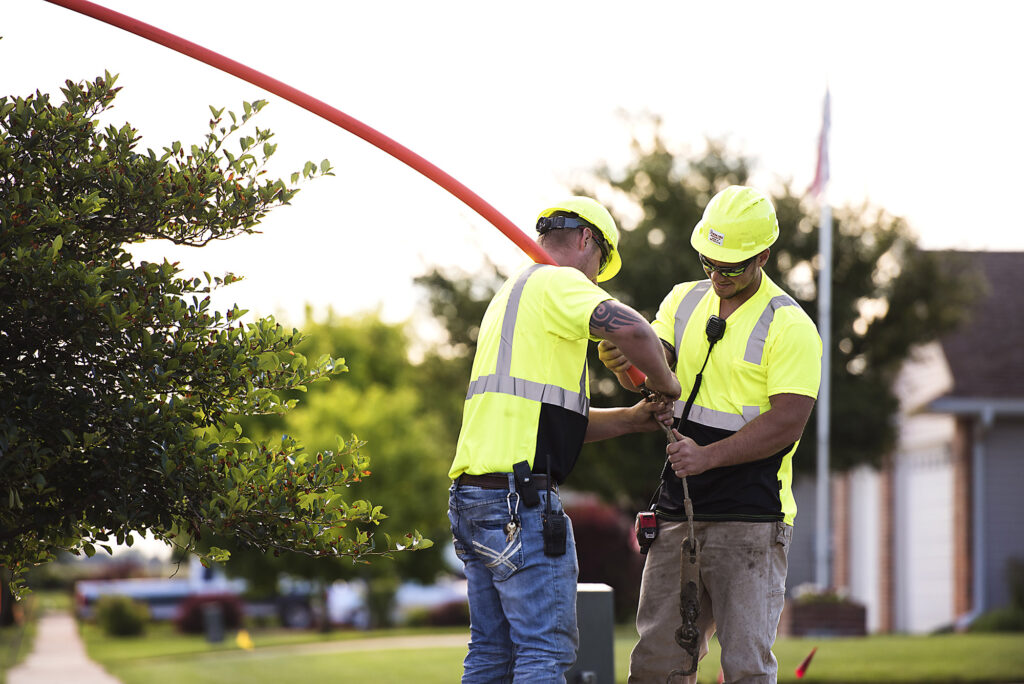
(58, 656)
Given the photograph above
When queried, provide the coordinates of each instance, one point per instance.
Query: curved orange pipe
(321, 109)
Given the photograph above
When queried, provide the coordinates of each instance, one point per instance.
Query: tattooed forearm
(611, 316)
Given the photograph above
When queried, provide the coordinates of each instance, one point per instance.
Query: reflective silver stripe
(686, 308)
(754, 351)
(758, 336)
(528, 389)
(718, 419)
(508, 323)
(502, 382)
(583, 385)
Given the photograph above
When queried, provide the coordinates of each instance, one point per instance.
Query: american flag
(821, 172)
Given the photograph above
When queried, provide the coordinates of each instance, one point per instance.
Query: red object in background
(322, 109)
(721, 676)
(802, 668)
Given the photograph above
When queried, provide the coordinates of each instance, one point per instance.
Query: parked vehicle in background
(166, 596)
(161, 595)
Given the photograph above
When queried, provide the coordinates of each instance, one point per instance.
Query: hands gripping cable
(687, 635)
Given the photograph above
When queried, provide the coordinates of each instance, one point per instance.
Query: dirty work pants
(522, 603)
(743, 573)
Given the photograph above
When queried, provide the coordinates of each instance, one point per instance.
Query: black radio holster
(524, 484)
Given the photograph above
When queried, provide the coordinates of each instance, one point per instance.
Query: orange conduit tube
(322, 109)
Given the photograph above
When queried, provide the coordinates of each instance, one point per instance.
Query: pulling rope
(687, 635)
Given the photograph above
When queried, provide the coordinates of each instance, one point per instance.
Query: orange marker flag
(802, 668)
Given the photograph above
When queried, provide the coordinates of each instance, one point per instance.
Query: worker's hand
(612, 358)
(667, 387)
(648, 415)
(687, 458)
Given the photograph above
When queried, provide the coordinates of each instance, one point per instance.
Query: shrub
(190, 618)
(451, 614)
(121, 616)
(1009, 619)
(1015, 578)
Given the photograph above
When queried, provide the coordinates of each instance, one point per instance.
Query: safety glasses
(602, 245)
(727, 271)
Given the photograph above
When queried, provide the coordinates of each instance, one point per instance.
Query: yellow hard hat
(738, 223)
(598, 217)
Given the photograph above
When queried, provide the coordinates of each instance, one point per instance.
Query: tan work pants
(743, 572)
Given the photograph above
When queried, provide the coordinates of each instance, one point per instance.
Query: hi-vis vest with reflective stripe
(528, 397)
(770, 347)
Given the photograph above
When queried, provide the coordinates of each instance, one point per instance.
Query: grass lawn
(16, 640)
(163, 657)
(888, 659)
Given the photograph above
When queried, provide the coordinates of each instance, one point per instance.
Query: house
(925, 542)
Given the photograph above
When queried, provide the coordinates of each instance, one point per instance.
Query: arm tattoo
(610, 316)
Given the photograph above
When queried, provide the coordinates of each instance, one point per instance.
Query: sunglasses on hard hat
(727, 271)
(546, 223)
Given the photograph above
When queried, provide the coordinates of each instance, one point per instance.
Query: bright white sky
(518, 100)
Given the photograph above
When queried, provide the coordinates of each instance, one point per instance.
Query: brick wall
(823, 618)
(886, 575)
(841, 530)
(962, 519)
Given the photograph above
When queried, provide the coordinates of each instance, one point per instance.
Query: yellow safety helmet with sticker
(738, 223)
(594, 216)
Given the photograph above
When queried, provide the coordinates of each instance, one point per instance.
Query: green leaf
(219, 555)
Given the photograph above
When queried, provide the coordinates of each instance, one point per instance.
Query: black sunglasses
(727, 271)
(602, 245)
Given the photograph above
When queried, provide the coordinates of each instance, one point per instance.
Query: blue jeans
(522, 604)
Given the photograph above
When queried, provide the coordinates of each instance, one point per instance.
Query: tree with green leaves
(888, 296)
(386, 403)
(119, 387)
(387, 400)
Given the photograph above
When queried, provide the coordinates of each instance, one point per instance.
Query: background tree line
(888, 296)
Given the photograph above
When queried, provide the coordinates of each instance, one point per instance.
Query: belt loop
(511, 482)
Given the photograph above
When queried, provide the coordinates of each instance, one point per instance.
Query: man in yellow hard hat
(753, 360)
(526, 416)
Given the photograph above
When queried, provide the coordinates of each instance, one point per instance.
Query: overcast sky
(519, 100)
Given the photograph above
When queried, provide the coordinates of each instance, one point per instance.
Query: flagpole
(822, 537)
(822, 550)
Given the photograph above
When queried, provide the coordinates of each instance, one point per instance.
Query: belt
(499, 481)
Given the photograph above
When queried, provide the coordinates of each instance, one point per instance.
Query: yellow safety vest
(770, 347)
(529, 392)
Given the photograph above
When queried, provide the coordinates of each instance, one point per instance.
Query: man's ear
(762, 258)
(585, 237)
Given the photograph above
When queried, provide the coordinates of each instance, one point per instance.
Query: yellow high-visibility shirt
(770, 347)
(529, 393)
